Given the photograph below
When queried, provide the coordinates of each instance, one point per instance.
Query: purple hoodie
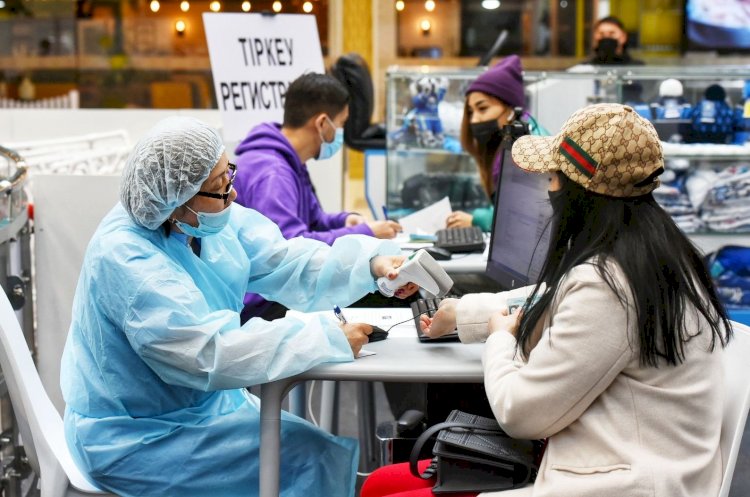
(272, 180)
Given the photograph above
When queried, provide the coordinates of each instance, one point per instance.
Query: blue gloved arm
(305, 274)
(173, 329)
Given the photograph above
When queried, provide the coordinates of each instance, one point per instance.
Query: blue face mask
(209, 223)
(328, 150)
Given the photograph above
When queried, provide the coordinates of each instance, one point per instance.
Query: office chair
(736, 401)
(38, 421)
(351, 70)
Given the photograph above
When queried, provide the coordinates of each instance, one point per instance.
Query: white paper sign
(254, 58)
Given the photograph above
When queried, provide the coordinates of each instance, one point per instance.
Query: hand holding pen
(339, 315)
(356, 333)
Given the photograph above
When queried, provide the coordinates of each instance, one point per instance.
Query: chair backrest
(736, 401)
(352, 71)
(38, 421)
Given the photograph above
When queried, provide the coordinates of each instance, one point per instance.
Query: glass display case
(424, 108)
(425, 161)
(700, 113)
(702, 116)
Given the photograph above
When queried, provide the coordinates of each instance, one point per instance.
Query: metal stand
(16, 477)
(365, 398)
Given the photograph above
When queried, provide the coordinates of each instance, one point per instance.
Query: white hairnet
(167, 167)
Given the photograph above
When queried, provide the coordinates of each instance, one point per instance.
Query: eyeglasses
(231, 174)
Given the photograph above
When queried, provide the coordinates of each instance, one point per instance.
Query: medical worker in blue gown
(156, 360)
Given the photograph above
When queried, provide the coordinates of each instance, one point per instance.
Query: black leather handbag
(473, 454)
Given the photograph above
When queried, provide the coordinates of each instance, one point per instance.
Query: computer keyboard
(469, 239)
(429, 307)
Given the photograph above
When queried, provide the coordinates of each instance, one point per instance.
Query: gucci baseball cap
(606, 148)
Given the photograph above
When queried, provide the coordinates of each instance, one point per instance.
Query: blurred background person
(610, 43)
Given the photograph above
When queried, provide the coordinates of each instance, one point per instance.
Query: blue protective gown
(155, 361)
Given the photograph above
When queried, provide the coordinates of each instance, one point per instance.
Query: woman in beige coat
(616, 356)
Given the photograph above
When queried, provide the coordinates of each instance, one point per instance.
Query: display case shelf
(706, 151)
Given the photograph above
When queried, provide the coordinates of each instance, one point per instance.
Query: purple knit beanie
(503, 81)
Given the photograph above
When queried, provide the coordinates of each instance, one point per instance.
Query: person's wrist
(373, 268)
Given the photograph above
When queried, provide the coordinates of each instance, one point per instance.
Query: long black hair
(665, 272)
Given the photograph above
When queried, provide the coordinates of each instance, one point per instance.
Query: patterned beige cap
(606, 148)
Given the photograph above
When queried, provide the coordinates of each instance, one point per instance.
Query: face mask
(606, 50)
(556, 200)
(485, 131)
(328, 150)
(209, 223)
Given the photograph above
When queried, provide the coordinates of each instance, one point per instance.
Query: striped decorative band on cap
(578, 157)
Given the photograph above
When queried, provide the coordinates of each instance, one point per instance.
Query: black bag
(473, 454)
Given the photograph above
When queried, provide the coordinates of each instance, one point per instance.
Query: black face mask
(485, 131)
(606, 50)
(556, 200)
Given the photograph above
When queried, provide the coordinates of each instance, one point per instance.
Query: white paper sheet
(385, 318)
(428, 220)
(365, 353)
(381, 316)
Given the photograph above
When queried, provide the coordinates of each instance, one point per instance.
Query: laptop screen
(521, 228)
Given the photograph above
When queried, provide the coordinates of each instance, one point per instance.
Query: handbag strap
(415, 451)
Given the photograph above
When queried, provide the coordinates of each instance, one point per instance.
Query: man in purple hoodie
(272, 176)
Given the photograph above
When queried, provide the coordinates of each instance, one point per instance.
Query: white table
(397, 359)
(471, 263)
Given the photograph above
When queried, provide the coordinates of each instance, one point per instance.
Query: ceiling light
(429, 5)
(215, 6)
(307, 7)
(425, 26)
(400, 5)
(490, 4)
(276, 6)
(155, 5)
(179, 26)
(184, 5)
(246, 6)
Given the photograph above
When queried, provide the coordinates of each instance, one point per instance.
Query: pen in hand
(339, 315)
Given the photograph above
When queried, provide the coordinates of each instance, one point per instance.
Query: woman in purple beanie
(490, 103)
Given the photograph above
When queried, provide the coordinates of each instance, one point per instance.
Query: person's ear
(320, 122)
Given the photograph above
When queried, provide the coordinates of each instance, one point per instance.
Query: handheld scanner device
(419, 268)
